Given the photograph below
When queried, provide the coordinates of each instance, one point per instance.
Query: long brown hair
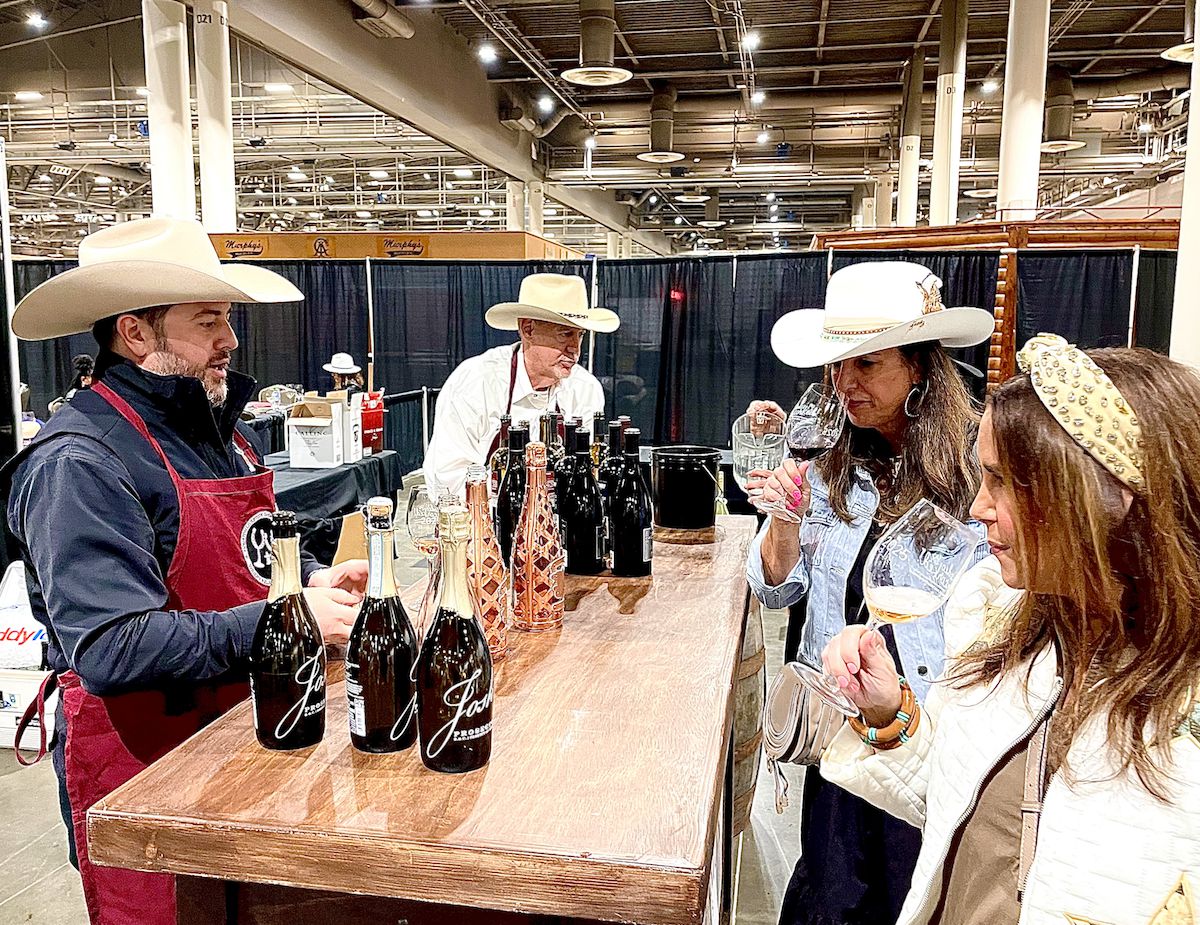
(1124, 611)
(937, 460)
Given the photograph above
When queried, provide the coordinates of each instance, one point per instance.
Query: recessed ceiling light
(379, 174)
(362, 213)
(464, 173)
(545, 104)
(487, 53)
(297, 175)
(142, 91)
(28, 96)
(991, 85)
(37, 20)
(751, 40)
(277, 87)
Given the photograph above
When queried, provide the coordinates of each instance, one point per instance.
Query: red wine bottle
(631, 517)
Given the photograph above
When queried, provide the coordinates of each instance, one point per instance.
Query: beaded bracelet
(900, 730)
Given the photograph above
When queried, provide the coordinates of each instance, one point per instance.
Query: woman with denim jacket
(909, 435)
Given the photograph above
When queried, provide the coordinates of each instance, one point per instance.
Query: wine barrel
(749, 694)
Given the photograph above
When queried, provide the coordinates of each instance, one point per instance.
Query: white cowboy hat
(343, 364)
(553, 297)
(876, 306)
(140, 264)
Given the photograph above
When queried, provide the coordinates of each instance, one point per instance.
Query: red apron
(512, 387)
(218, 564)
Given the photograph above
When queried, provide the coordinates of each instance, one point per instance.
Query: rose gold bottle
(537, 557)
(486, 574)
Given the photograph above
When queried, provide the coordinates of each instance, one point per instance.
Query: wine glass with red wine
(815, 423)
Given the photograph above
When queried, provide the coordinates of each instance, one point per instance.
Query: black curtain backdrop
(429, 314)
(668, 366)
(968, 279)
(46, 364)
(766, 289)
(1155, 299)
(1081, 295)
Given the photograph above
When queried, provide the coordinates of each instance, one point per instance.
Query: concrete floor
(39, 887)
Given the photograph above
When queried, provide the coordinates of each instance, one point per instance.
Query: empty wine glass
(758, 444)
(909, 573)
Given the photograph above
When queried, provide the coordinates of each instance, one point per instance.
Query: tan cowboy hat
(554, 297)
(876, 306)
(140, 264)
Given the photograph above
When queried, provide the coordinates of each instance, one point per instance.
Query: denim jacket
(829, 548)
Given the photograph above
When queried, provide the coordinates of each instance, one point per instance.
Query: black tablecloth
(269, 428)
(320, 497)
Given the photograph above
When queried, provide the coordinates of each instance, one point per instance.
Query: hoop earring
(913, 413)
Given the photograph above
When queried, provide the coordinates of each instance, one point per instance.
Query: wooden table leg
(726, 836)
(203, 901)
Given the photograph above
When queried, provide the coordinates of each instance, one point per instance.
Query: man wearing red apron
(525, 380)
(142, 515)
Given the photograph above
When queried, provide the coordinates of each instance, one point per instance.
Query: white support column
(1024, 103)
(868, 212)
(514, 199)
(1185, 322)
(948, 116)
(173, 173)
(537, 205)
(10, 306)
(910, 142)
(214, 110)
(884, 187)
(612, 249)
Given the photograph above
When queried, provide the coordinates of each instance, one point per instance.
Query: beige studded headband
(1087, 405)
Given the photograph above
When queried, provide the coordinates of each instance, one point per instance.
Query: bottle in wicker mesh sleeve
(486, 574)
(537, 556)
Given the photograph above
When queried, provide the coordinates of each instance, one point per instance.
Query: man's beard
(165, 363)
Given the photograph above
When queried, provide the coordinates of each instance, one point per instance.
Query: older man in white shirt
(525, 380)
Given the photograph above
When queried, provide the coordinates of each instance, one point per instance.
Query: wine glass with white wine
(909, 574)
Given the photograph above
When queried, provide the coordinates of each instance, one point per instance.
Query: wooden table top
(600, 800)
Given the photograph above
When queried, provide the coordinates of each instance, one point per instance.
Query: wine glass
(757, 443)
(909, 574)
(421, 518)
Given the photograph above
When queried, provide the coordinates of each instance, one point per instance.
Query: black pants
(857, 861)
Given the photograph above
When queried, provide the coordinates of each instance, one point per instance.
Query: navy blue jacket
(97, 518)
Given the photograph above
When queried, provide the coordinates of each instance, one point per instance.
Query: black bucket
(685, 486)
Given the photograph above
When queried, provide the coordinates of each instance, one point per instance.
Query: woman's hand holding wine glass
(783, 493)
(859, 660)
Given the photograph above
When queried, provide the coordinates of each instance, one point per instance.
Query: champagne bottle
(499, 461)
(287, 655)
(381, 657)
(581, 513)
(630, 513)
(486, 573)
(537, 561)
(512, 490)
(454, 670)
(598, 448)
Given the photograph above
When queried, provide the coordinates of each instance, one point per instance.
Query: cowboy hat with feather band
(876, 306)
(553, 297)
(141, 264)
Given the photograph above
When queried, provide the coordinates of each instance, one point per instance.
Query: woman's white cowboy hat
(553, 297)
(343, 364)
(140, 264)
(876, 306)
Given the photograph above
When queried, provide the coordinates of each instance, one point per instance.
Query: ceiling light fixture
(660, 157)
(545, 104)
(751, 40)
(277, 88)
(770, 197)
(990, 86)
(378, 174)
(487, 53)
(678, 219)
(45, 177)
(28, 96)
(424, 213)
(758, 97)
(1145, 128)
(982, 192)
(654, 200)
(142, 91)
(362, 213)
(549, 210)
(428, 176)
(464, 173)
(763, 137)
(696, 197)
(486, 213)
(36, 20)
(297, 175)
(774, 207)
(102, 181)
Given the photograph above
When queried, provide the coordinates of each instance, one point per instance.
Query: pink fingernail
(797, 496)
(851, 667)
(843, 683)
(799, 480)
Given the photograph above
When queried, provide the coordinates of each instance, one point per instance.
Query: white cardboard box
(353, 441)
(316, 433)
(19, 688)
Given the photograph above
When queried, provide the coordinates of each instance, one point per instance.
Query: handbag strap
(1031, 800)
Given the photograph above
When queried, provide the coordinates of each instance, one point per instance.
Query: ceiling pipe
(382, 19)
(1060, 113)
(1183, 52)
(662, 126)
(597, 47)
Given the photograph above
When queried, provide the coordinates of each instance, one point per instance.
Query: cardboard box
(351, 423)
(18, 689)
(316, 433)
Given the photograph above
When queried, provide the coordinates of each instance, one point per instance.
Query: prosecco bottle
(512, 490)
(454, 671)
(581, 513)
(499, 461)
(537, 562)
(631, 518)
(381, 657)
(287, 655)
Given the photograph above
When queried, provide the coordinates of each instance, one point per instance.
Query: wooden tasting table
(606, 798)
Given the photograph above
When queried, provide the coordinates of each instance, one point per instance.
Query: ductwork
(597, 35)
(1146, 82)
(712, 210)
(382, 19)
(1183, 52)
(1060, 112)
(662, 126)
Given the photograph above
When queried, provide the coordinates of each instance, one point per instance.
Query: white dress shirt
(474, 398)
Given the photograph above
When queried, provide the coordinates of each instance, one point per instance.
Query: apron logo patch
(256, 546)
